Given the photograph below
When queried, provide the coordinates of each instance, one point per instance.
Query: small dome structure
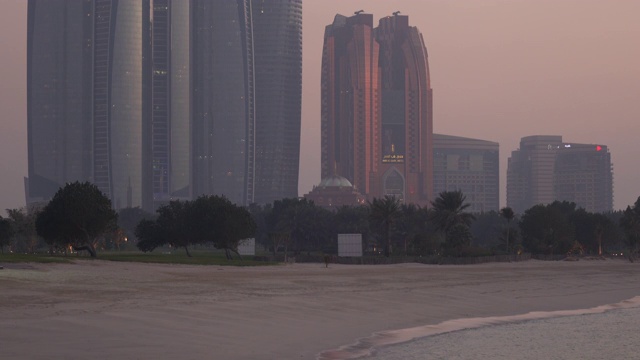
(335, 191)
(335, 181)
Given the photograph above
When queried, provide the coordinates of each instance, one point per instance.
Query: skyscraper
(406, 129)
(277, 35)
(58, 103)
(350, 102)
(170, 93)
(85, 97)
(584, 175)
(545, 169)
(223, 128)
(377, 121)
(154, 100)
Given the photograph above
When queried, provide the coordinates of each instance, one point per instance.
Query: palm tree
(384, 212)
(448, 210)
(507, 213)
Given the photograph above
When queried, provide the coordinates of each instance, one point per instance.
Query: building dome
(335, 181)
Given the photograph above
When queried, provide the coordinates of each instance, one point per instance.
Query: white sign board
(247, 247)
(350, 245)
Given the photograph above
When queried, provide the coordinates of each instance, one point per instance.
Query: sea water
(611, 335)
(604, 332)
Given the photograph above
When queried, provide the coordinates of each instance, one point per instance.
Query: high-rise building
(546, 169)
(223, 128)
(170, 93)
(406, 130)
(85, 97)
(469, 165)
(154, 100)
(377, 121)
(584, 175)
(350, 108)
(277, 35)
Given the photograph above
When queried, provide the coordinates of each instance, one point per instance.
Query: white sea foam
(368, 346)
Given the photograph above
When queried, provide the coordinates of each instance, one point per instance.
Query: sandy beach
(109, 310)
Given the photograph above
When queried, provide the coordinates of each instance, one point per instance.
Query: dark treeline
(79, 217)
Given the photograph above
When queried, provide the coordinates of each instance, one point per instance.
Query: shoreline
(114, 310)
(367, 347)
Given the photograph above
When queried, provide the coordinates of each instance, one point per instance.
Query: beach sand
(110, 310)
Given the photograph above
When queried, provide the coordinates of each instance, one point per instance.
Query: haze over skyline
(500, 70)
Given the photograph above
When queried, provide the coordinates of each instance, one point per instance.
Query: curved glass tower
(118, 73)
(223, 100)
(277, 28)
(170, 109)
(85, 96)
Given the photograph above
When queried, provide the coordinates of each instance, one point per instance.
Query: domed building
(335, 191)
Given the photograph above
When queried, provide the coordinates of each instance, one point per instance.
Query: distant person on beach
(327, 259)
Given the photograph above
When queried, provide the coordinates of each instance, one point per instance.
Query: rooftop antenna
(395, 13)
(358, 12)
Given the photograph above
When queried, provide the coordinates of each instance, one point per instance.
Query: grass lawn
(34, 258)
(178, 257)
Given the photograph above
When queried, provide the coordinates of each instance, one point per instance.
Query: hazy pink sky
(500, 70)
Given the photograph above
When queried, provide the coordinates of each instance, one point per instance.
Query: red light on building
(598, 148)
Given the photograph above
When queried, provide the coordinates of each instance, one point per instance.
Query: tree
(149, 235)
(25, 238)
(458, 236)
(630, 222)
(208, 219)
(220, 222)
(507, 214)
(448, 210)
(548, 229)
(129, 218)
(410, 228)
(487, 228)
(76, 216)
(172, 227)
(383, 212)
(6, 233)
(308, 226)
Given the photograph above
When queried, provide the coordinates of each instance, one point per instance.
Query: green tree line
(80, 217)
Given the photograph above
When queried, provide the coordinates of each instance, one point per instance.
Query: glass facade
(377, 118)
(125, 116)
(407, 116)
(153, 100)
(85, 97)
(160, 99)
(59, 107)
(223, 100)
(277, 29)
(350, 103)
(180, 103)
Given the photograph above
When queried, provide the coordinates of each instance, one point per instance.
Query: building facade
(59, 109)
(170, 92)
(86, 103)
(223, 128)
(584, 175)
(376, 116)
(277, 35)
(469, 165)
(155, 100)
(545, 169)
